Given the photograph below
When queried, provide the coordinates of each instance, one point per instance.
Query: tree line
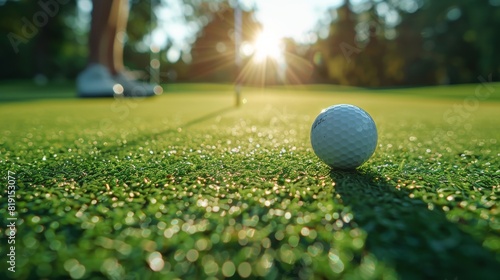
(370, 43)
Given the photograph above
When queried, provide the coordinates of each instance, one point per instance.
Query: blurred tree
(472, 49)
(299, 67)
(450, 41)
(370, 64)
(13, 41)
(432, 42)
(140, 24)
(417, 67)
(446, 41)
(141, 20)
(340, 46)
(213, 52)
(47, 40)
(37, 41)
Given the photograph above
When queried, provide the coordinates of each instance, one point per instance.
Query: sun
(267, 46)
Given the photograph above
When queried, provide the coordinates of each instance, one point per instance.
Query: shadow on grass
(204, 118)
(420, 243)
(171, 130)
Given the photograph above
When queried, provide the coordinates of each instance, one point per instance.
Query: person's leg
(96, 79)
(99, 32)
(132, 87)
(117, 29)
(105, 75)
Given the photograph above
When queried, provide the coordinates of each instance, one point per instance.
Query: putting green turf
(186, 186)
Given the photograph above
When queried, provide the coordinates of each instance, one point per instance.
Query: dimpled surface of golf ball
(344, 136)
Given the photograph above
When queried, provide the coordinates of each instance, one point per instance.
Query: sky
(291, 18)
(281, 18)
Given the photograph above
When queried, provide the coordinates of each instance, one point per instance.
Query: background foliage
(369, 43)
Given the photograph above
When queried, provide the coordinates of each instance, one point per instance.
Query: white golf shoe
(97, 81)
(134, 88)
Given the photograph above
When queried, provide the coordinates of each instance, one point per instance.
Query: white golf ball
(344, 136)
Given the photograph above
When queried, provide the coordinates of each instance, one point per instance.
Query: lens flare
(267, 46)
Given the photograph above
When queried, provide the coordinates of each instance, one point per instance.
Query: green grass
(190, 186)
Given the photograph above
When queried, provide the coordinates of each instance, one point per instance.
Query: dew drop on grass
(266, 243)
(279, 235)
(201, 244)
(75, 269)
(155, 261)
(211, 267)
(244, 269)
(39, 228)
(30, 242)
(192, 255)
(228, 269)
(336, 264)
(293, 241)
